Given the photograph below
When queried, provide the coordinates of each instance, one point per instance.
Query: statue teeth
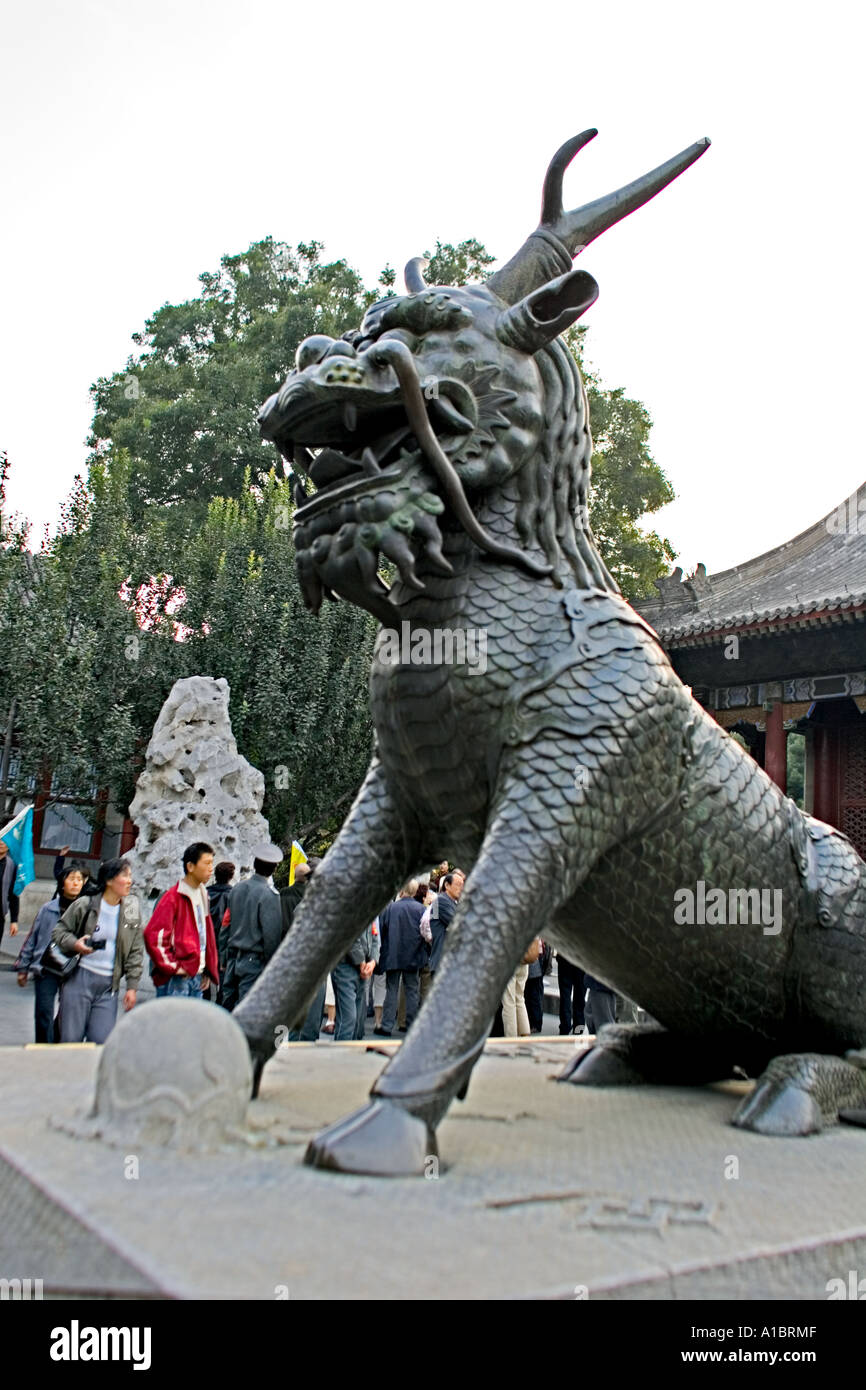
(350, 415)
(370, 464)
(302, 458)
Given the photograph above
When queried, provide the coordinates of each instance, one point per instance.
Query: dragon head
(445, 394)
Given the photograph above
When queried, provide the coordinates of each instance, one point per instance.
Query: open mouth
(330, 467)
(336, 444)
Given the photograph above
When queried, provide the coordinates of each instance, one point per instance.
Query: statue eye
(312, 350)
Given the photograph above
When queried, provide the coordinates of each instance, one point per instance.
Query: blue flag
(18, 835)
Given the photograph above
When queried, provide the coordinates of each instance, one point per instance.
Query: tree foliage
(627, 483)
(299, 704)
(97, 628)
(463, 264)
(63, 632)
(184, 408)
(796, 768)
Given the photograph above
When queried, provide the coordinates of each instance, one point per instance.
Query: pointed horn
(560, 236)
(414, 275)
(551, 196)
(578, 229)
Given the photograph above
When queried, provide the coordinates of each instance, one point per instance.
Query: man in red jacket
(180, 936)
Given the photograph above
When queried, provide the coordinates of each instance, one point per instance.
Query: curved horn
(551, 195)
(560, 235)
(414, 275)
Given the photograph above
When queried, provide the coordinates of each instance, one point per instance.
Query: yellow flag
(298, 857)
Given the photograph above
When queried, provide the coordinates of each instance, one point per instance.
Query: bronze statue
(574, 776)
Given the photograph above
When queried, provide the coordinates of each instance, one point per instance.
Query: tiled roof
(816, 579)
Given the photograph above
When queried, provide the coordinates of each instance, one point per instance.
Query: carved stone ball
(175, 1072)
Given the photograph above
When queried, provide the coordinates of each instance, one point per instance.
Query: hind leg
(801, 1093)
(629, 1054)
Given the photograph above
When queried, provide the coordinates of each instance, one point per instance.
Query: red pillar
(826, 801)
(775, 753)
(128, 836)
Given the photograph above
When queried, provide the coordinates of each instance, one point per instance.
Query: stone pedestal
(544, 1191)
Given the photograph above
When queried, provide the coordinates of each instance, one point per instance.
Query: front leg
(368, 861)
(527, 867)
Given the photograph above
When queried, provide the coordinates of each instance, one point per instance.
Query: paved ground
(16, 1009)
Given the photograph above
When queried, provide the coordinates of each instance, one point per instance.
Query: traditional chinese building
(777, 646)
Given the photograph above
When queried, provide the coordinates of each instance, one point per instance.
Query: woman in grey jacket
(106, 932)
(69, 888)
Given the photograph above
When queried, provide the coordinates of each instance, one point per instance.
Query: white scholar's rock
(195, 786)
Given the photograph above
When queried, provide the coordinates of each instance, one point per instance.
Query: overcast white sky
(143, 141)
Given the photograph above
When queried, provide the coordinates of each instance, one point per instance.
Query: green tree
(13, 544)
(100, 623)
(65, 634)
(796, 767)
(627, 483)
(184, 408)
(299, 704)
(13, 530)
(463, 264)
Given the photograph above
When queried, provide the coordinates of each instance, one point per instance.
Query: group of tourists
(91, 936)
(210, 940)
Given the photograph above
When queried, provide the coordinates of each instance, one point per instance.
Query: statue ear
(539, 317)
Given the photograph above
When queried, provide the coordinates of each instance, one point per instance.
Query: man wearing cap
(255, 926)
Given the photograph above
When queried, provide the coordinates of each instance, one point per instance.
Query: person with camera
(105, 931)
